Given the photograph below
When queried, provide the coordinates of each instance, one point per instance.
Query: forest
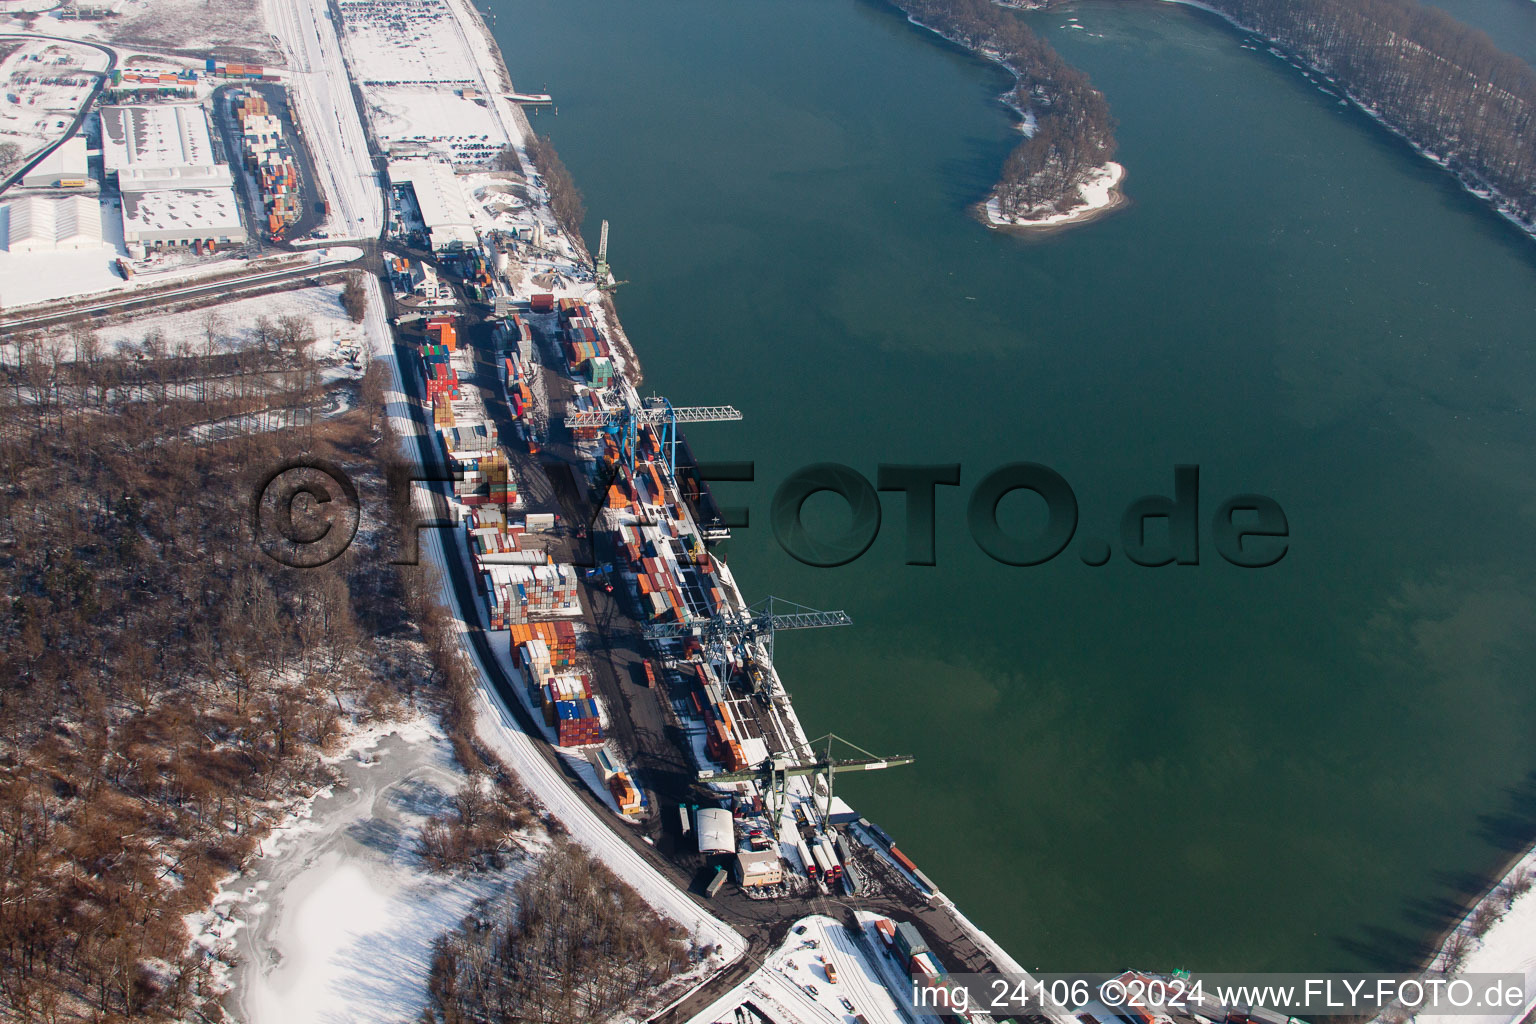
(564, 197)
(1442, 84)
(1074, 132)
(167, 690)
(569, 944)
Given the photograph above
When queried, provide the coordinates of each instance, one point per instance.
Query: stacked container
(577, 723)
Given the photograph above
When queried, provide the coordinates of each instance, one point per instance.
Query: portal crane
(775, 772)
(758, 622)
(655, 411)
(600, 269)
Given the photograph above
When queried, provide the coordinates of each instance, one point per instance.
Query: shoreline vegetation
(1062, 173)
(1442, 86)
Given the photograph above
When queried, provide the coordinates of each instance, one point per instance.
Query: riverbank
(1497, 935)
(1501, 204)
(1098, 191)
(1099, 195)
(491, 720)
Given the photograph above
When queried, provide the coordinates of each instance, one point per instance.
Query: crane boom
(685, 414)
(857, 764)
(810, 620)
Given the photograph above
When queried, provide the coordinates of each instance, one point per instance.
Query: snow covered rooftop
(155, 137)
(36, 224)
(181, 215)
(441, 201)
(66, 163)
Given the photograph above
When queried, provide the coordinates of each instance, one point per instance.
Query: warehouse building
(181, 217)
(158, 146)
(65, 167)
(436, 193)
(174, 189)
(35, 224)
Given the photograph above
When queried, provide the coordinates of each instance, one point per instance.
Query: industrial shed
(717, 833)
(440, 200)
(150, 147)
(36, 224)
(181, 217)
(65, 167)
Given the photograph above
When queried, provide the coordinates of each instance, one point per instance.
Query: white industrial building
(182, 216)
(65, 167)
(440, 200)
(174, 189)
(717, 832)
(36, 224)
(154, 146)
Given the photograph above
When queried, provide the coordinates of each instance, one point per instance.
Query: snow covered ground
(417, 66)
(442, 120)
(49, 80)
(1509, 947)
(1100, 193)
(28, 277)
(236, 323)
(334, 921)
(337, 337)
(783, 986)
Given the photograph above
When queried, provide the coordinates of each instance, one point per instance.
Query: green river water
(1298, 767)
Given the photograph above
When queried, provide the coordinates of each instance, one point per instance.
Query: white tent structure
(36, 224)
(716, 830)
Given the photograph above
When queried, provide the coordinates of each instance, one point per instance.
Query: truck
(831, 970)
(834, 867)
(805, 857)
(716, 883)
(822, 864)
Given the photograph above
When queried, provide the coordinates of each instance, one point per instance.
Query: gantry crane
(775, 772)
(731, 627)
(655, 411)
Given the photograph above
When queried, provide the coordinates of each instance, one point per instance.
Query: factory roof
(155, 136)
(438, 196)
(206, 212)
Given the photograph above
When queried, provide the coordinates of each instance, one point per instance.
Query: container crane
(657, 412)
(730, 627)
(775, 772)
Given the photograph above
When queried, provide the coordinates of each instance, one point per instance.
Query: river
(1290, 768)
